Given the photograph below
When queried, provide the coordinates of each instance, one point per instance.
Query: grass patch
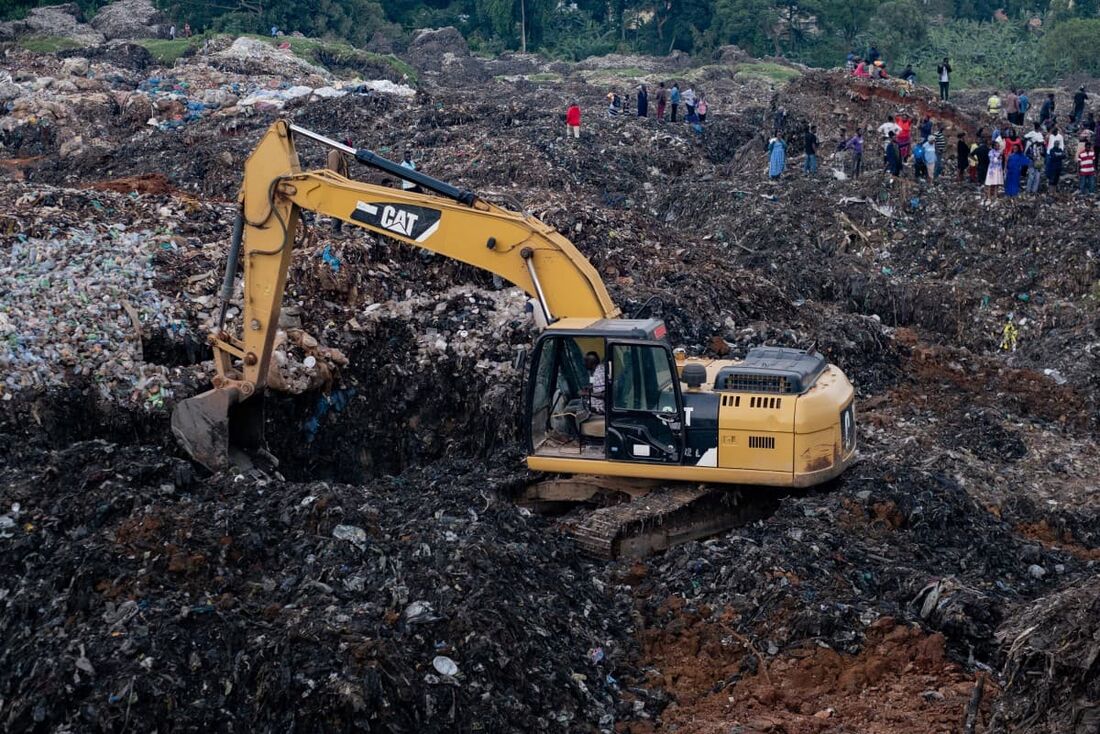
(48, 44)
(768, 71)
(623, 72)
(167, 50)
(544, 76)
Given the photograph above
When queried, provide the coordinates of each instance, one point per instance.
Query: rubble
(306, 592)
(58, 21)
(1049, 670)
(130, 19)
(364, 606)
(253, 56)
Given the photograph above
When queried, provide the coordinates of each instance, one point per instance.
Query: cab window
(643, 379)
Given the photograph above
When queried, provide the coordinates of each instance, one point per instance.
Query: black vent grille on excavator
(740, 382)
(761, 442)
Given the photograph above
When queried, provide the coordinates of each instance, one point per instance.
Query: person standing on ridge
(643, 101)
(701, 108)
(674, 100)
(662, 97)
(1012, 106)
(994, 107)
(944, 73)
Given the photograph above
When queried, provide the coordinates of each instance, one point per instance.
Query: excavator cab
(780, 416)
(606, 390)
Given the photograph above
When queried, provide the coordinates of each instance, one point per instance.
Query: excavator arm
(453, 222)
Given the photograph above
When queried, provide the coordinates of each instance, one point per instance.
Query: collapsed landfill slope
(320, 596)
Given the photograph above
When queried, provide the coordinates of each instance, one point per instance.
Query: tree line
(993, 42)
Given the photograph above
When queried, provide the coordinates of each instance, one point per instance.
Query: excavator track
(652, 519)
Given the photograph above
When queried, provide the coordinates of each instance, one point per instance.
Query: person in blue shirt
(1025, 105)
(674, 99)
(777, 156)
(1014, 171)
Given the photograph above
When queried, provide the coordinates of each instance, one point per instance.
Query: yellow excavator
(609, 403)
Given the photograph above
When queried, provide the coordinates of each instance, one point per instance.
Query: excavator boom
(452, 222)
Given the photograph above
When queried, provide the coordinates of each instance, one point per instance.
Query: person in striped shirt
(1086, 169)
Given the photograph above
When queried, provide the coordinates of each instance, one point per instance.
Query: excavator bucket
(219, 429)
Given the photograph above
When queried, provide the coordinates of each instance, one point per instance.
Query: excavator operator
(597, 390)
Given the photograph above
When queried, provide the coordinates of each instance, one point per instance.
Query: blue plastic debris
(332, 261)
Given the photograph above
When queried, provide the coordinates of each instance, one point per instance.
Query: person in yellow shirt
(994, 106)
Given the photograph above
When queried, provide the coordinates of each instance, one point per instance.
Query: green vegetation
(990, 42)
(768, 71)
(623, 72)
(48, 44)
(167, 50)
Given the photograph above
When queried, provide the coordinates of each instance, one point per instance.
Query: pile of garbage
(418, 603)
(285, 596)
(1050, 668)
(79, 297)
(54, 21)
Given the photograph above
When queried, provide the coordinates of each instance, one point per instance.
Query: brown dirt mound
(146, 183)
(900, 683)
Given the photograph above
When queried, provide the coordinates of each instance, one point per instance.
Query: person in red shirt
(1086, 169)
(904, 137)
(573, 120)
(1012, 142)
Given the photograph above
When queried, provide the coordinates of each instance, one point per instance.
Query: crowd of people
(669, 103)
(999, 159)
(871, 65)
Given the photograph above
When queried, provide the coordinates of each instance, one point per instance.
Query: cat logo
(413, 222)
(398, 220)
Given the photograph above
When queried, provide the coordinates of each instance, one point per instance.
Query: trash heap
(79, 298)
(418, 603)
(1051, 652)
(287, 595)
